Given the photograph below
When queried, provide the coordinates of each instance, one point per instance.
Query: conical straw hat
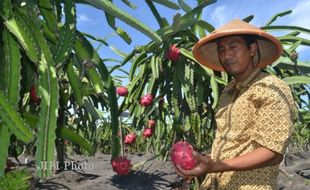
(205, 50)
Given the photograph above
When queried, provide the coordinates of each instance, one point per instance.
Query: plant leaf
(168, 4)
(297, 80)
(13, 120)
(129, 4)
(176, 22)
(281, 14)
(205, 25)
(109, 7)
(76, 138)
(184, 6)
(124, 35)
(248, 18)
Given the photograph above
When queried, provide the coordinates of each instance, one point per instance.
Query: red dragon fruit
(147, 132)
(173, 53)
(121, 165)
(130, 138)
(181, 154)
(122, 91)
(151, 123)
(146, 100)
(33, 95)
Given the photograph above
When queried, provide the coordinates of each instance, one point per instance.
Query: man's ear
(253, 49)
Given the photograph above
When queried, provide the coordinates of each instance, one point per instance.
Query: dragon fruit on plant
(147, 132)
(33, 95)
(122, 91)
(151, 123)
(146, 100)
(130, 138)
(181, 154)
(173, 53)
(121, 165)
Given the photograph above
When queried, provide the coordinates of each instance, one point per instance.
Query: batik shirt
(256, 112)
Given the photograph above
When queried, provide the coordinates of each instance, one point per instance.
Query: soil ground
(95, 173)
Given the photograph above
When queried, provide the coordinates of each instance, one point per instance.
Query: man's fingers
(201, 158)
(184, 172)
(178, 171)
(187, 173)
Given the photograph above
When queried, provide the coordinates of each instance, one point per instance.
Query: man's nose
(227, 54)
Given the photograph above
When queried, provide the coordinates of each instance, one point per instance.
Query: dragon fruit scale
(181, 154)
(121, 165)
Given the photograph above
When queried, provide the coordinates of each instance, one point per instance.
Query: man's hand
(203, 162)
(260, 157)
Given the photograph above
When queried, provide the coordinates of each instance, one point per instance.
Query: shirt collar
(240, 85)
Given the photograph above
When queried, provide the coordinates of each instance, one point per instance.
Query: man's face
(235, 56)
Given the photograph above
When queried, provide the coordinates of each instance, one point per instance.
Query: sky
(93, 21)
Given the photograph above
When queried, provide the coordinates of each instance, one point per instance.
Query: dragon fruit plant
(121, 165)
(181, 154)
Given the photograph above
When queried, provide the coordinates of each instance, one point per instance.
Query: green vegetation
(57, 92)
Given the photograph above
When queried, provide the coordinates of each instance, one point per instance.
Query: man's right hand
(203, 163)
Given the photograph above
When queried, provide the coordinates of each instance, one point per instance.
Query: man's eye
(220, 49)
(232, 46)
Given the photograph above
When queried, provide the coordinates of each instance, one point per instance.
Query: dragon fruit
(122, 91)
(147, 132)
(151, 123)
(146, 100)
(33, 95)
(121, 165)
(130, 138)
(181, 154)
(173, 53)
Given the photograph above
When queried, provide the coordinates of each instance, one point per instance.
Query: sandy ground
(95, 173)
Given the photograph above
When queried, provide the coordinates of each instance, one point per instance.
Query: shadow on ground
(140, 180)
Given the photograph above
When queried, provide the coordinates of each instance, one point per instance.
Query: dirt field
(95, 173)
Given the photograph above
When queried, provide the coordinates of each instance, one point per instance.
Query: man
(255, 112)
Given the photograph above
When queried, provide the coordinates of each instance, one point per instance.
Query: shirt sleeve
(273, 122)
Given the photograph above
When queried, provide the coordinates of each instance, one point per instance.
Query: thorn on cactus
(173, 53)
(121, 165)
(146, 100)
(122, 91)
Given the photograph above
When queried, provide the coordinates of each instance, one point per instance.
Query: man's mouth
(229, 63)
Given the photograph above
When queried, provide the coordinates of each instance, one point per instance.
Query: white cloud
(83, 18)
(300, 17)
(300, 14)
(220, 15)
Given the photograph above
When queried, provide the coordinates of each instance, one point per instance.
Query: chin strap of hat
(258, 53)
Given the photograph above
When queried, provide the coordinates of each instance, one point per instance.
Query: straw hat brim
(205, 50)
